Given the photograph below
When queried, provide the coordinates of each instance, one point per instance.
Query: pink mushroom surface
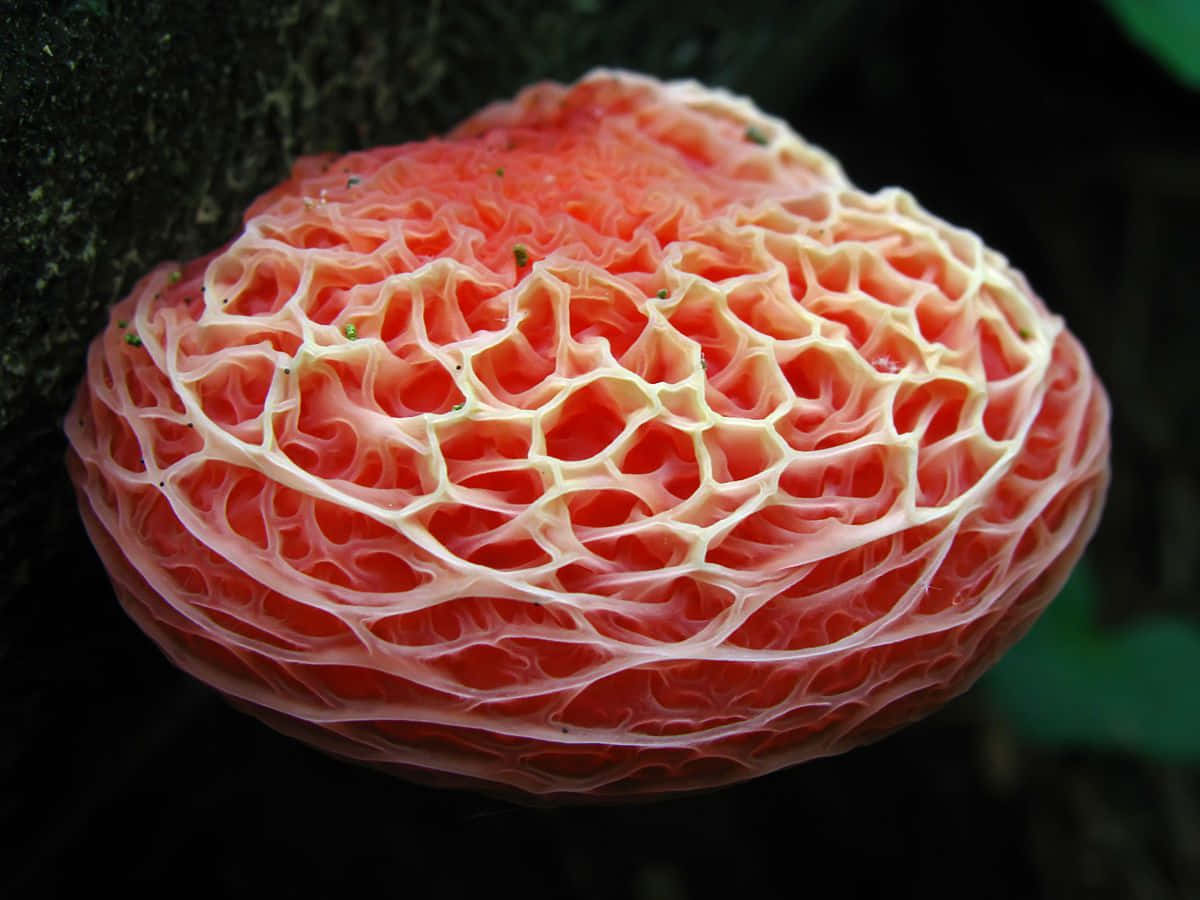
(615, 444)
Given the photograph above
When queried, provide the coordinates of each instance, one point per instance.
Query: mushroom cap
(615, 444)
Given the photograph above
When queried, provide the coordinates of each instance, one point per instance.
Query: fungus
(738, 466)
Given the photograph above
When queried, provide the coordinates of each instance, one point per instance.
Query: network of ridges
(614, 444)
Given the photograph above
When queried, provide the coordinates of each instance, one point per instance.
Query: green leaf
(1168, 29)
(1070, 683)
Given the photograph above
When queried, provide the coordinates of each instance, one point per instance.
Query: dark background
(134, 132)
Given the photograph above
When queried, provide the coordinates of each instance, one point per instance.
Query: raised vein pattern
(614, 443)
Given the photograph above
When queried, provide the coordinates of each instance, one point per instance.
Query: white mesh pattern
(614, 444)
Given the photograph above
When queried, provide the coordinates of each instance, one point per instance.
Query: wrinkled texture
(615, 444)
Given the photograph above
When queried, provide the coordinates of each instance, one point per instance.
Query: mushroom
(615, 444)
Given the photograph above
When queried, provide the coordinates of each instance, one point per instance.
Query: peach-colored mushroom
(614, 444)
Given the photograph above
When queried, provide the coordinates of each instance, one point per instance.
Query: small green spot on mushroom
(458, 406)
(121, 323)
(500, 172)
(755, 134)
(703, 364)
(353, 181)
(662, 294)
(1024, 333)
(351, 331)
(521, 255)
(175, 277)
(133, 340)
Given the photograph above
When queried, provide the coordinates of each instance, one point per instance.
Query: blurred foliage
(1169, 29)
(1070, 682)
